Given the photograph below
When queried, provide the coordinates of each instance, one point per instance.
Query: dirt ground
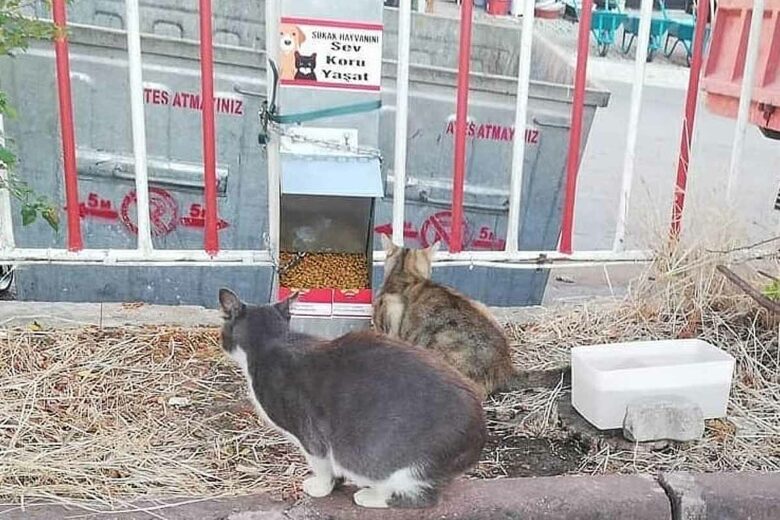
(532, 457)
(120, 414)
(125, 413)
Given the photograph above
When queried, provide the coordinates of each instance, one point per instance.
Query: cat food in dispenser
(328, 283)
(324, 270)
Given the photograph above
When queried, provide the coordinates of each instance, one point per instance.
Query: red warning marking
(163, 212)
(487, 240)
(438, 226)
(494, 132)
(192, 101)
(97, 207)
(387, 229)
(197, 218)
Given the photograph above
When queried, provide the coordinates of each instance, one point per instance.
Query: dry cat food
(323, 270)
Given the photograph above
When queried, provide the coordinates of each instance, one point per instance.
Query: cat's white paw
(318, 487)
(371, 497)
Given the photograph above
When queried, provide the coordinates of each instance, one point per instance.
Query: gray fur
(376, 404)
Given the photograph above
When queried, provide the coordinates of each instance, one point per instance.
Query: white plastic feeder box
(606, 378)
(327, 212)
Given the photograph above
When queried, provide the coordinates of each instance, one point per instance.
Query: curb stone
(250, 507)
(609, 497)
(723, 496)
(676, 496)
(685, 496)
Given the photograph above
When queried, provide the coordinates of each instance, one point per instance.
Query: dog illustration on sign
(291, 39)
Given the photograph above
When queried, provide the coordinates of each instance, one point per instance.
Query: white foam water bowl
(606, 378)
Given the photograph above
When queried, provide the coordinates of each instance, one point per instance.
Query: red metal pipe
(211, 236)
(75, 242)
(690, 115)
(575, 136)
(461, 122)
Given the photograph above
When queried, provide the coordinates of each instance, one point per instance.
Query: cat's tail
(523, 379)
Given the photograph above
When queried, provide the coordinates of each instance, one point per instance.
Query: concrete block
(734, 496)
(663, 418)
(723, 496)
(684, 495)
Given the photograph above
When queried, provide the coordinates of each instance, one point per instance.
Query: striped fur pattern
(413, 308)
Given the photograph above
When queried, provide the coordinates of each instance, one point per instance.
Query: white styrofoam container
(606, 378)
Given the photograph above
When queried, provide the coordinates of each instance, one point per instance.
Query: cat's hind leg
(372, 497)
(422, 498)
(322, 481)
(402, 489)
(382, 497)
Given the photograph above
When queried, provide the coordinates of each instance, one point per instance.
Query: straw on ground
(115, 415)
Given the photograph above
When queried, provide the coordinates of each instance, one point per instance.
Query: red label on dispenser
(352, 302)
(310, 302)
(330, 302)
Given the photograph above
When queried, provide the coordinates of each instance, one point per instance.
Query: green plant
(16, 31)
(772, 290)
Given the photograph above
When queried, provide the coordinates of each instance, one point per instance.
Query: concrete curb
(585, 498)
(675, 496)
(723, 495)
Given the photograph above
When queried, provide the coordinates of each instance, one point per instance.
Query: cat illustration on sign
(304, 66)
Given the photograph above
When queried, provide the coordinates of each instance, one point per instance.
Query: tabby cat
(413, 308)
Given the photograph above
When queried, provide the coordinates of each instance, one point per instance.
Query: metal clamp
(298, 258)
(267, 109)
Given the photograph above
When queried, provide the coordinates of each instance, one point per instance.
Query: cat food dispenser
(330, 68)
(326, 222)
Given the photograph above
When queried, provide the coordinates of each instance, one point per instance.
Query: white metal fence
(510, 257)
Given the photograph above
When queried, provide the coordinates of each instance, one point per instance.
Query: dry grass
(681, 296)
(116, 415)
(111, 415)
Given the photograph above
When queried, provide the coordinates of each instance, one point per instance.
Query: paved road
(656, 164)
(666, 81)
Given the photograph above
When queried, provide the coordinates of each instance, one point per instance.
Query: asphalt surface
(751, 218)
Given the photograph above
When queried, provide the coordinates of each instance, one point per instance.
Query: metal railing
(510, 257)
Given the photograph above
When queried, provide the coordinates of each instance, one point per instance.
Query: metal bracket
(250, 93)
(267, 109)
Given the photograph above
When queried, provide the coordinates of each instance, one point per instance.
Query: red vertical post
(691, 100)
(461, 122)
(575, 135)
(62, 58)
(210, 237)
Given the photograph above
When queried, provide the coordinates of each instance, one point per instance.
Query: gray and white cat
(384, 415)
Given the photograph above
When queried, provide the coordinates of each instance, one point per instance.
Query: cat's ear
(387, 244)
(231, 304)
(313, 56)
(284, 306)
(297, 55)
(431, 250)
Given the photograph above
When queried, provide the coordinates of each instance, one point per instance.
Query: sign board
(330, 54)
